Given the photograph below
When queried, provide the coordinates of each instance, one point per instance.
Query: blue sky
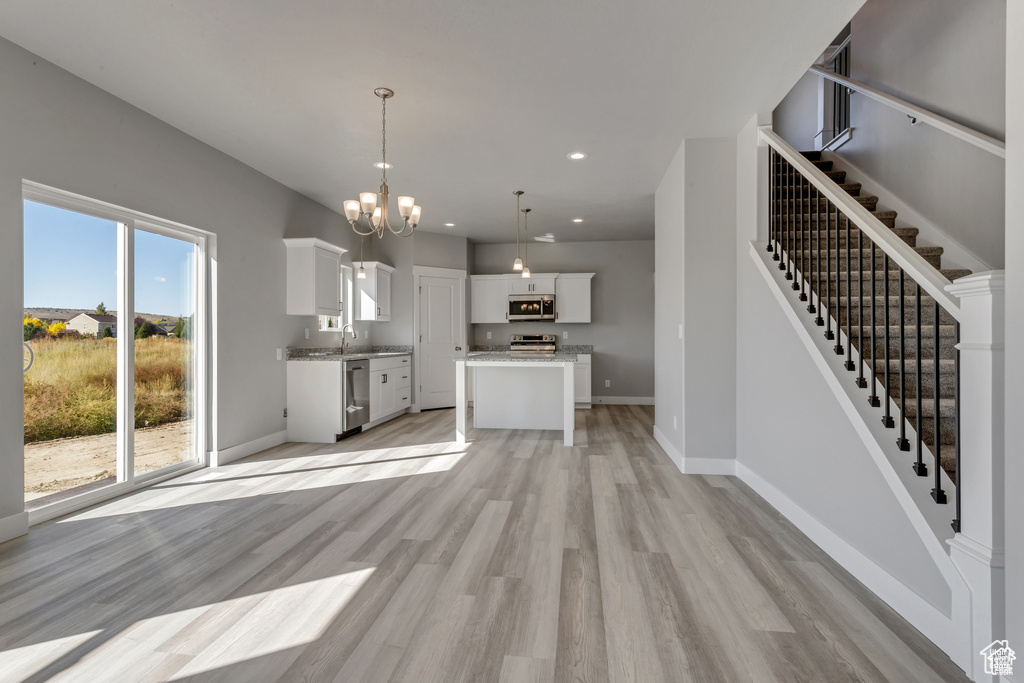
(71, 262)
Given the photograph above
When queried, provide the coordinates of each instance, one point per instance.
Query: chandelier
(517, 265)
(365, 216)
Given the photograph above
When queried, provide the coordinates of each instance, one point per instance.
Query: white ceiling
(490, 96)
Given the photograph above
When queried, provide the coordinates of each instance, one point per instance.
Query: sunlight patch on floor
(30, 659)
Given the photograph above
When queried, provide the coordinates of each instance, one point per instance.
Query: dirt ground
(52, 466)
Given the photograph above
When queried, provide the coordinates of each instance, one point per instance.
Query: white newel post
(978, 550)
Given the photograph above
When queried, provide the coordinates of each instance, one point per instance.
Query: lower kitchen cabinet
(390, 386)
(582, 380)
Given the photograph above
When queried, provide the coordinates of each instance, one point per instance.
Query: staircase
(895, 331)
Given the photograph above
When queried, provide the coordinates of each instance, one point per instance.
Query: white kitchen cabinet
(572, 297)
(489, 295)
(313, 277)
(536, 284)
(373, 294)
(390, 386)
(582, 380)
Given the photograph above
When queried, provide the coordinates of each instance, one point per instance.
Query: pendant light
(366, 208)
(517, 265)
(526, 240)
(361, 274)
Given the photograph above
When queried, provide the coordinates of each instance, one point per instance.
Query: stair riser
(946, 383)
(828, 242)
(909, 316)
(838, 176)
(887, 218)
(947, 348)
(812, 204)
(852, 189)
(864, 262)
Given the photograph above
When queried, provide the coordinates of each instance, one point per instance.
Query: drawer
(403, 398)
(390, 363)
(402, 377)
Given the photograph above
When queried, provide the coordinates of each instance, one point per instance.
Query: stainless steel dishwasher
(356, 409)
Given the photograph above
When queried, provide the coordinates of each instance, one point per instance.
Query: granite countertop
(509, 358)
(333, 353)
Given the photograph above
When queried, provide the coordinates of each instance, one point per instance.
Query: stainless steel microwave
(531, 307)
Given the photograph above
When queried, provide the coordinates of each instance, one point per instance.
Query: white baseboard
(623, 400)
(13, 526)
(674, 455)
(244, 450)
(935, 625)
(694, 465)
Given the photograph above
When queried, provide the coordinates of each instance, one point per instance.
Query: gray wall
(947, 56)
(669, 408)
(695, 229)
(1015, 329)
(796, 117)
(60, 131)
(622, 310)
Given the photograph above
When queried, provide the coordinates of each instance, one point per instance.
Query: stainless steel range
(533, 345)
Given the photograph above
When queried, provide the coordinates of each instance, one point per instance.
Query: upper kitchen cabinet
(489, 295)
(537, 284)
(373, 294)
(313, 277)
(572, 297)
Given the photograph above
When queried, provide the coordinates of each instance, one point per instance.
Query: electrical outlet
(488, 335)
(607, 383)
(675, 424)
(680, 331)
(565, 335)
(307, 333)
(286, 412)
(280, 354)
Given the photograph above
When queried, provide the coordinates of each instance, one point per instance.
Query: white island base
(516, 393)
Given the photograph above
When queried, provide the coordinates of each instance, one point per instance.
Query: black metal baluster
(887, 416)
(902, 442)
(771, 200)
(919, 466)
(798, 226)
(860, 381)
(817, 251)
(805, 246)
(788, 247)
(956, 418)
(828, 270)
(937, 493)
(873, 398)
(838, 348)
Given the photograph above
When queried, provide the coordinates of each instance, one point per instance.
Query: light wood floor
(397, 556)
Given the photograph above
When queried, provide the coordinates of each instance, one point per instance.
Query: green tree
(183, 328)
(101, 309)
(107, 333)
(143, 328)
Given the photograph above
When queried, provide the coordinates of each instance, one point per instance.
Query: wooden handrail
(917, 114)
(931, 280)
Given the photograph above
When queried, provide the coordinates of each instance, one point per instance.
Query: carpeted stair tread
(948, 273)
(947, 408)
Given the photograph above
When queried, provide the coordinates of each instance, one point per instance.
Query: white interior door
(441, 332)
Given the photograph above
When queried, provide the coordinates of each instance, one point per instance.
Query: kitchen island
(516, 392)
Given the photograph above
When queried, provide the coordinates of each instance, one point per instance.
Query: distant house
(93, 323)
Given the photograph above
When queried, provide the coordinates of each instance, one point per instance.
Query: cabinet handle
(384, 379)
(378, 311)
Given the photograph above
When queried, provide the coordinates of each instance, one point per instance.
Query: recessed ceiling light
(577, 220)
(381, 164)
(577, 155)
(449, 225)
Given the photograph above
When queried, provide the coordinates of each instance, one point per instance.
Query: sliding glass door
(115, 327)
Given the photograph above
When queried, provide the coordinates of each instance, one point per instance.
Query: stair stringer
(930, 521)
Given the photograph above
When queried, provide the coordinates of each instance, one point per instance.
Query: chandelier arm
(355, 223)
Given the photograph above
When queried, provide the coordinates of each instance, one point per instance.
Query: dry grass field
(71, 390)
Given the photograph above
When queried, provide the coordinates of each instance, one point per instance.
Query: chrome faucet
(344, 344)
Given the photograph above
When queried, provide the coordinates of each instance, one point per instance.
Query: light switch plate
(488, 335)
(280, 354)
(607, 383)
(565, 335)
(307, 333)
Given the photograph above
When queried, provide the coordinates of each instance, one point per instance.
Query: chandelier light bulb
(351, 209)
(405, 205)
(517, 265)
(361, 275)
(526, 272)
(375, 218)
(367, 202)
(414, 219)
